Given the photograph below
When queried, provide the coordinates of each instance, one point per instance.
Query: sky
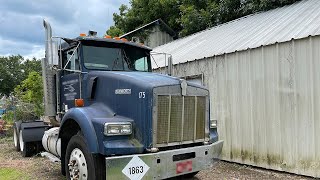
(21, 22)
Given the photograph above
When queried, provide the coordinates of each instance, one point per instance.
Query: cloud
(22, 31)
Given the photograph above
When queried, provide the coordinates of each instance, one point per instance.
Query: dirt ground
(41, 168)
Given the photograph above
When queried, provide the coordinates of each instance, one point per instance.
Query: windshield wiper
(115, 62)
(126, 59)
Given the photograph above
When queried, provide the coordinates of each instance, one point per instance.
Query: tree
(114, 31)
(145, 11)
(14, 69)
(187, 16)
(30, 94)
(29, 66)
(11, 73)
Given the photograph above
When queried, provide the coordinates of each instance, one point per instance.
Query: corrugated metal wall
(267, 103)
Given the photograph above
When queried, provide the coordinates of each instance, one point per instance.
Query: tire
(26, 148)
(81, 163)
(16, 139)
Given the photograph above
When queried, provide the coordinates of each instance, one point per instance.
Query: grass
(12, 174)
(14, 166)
(5, 139)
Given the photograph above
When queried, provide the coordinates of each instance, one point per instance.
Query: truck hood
(146, 79)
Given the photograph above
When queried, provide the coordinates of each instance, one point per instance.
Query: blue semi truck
(107, 116)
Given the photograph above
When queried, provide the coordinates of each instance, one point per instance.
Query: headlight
(213, 123)
(113, 129)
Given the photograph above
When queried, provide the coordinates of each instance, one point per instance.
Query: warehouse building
(263, 74)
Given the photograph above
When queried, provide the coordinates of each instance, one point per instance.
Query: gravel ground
(41, 168)
(227, 170)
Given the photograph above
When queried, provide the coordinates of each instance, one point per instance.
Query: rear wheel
(16, 138)
(80, 163)
(26, 148)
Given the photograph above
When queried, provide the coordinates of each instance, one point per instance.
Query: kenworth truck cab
(110, 117)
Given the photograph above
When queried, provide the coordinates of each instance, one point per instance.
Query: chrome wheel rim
(21, 141)
(15, 138)
(78, 165)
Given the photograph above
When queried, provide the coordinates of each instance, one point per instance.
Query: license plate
(185, 166)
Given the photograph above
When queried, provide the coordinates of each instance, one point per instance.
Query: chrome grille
(180, 119)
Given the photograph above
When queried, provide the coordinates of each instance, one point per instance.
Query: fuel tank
(51, 142)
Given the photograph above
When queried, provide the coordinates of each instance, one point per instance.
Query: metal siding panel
(271, 118)
(316, 105)
(245, 106)
(286, 96)
(304, 105)
(259, 108)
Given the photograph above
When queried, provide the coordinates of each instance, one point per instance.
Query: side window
(74, 63)
(141, 64)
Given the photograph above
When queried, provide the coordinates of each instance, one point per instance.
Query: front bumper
(161, 165)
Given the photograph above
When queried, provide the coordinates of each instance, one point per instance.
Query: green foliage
(114, 31)
(29, 66)
(11, 74)
(26, 103)
(9, 117)
(30, 93)
(252, 6)
(145, 11)
(187, 16)
(13, 70)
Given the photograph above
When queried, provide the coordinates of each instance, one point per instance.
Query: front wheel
(80, 163)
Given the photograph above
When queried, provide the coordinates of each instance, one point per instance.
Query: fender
(82, 117)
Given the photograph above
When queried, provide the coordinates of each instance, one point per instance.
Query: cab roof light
(116, 38)
(82, 35)
(107, 36)
(124, 39)
(79, 102)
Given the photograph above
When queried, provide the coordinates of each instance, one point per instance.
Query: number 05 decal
(142, 95)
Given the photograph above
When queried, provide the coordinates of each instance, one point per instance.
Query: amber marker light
(82, 34)
(107, 36)
(124, 39)
(116, 38)
(79, 102)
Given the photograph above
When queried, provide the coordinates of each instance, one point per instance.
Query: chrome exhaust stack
(48, 76)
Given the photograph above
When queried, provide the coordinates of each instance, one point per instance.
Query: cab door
(70, 79)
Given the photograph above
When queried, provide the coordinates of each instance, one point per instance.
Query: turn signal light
(79, 102)
(82, 34)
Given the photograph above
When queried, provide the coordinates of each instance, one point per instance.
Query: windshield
(116, 59)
